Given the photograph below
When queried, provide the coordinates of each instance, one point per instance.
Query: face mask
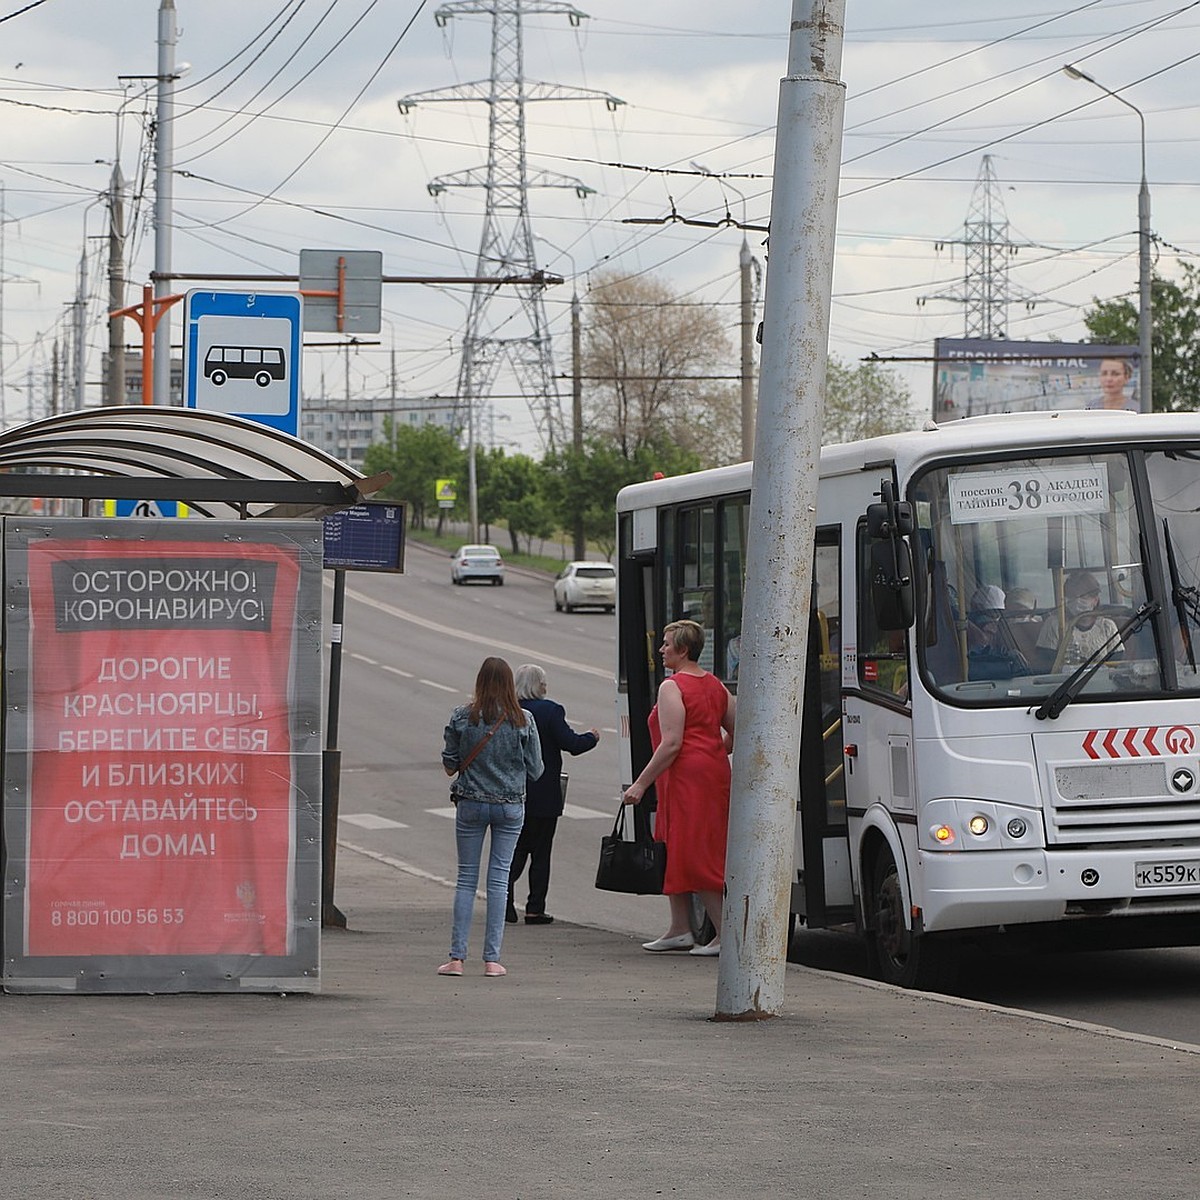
(1082, 604)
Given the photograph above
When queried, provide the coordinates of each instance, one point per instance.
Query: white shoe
(682, 941)
(710, 951)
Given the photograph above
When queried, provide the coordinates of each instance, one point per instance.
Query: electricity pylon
(987, 291)
(506, 243)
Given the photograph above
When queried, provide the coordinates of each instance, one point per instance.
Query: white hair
(531, 681)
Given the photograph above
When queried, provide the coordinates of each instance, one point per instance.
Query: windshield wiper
(1075, 682)
(1186, 599)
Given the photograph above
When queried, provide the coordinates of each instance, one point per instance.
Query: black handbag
(636, 866)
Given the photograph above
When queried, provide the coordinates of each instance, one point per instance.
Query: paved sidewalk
(590, 1073)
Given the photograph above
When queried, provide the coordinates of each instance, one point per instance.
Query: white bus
(1002, 702)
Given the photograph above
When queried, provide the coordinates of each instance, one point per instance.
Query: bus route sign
(242, 355)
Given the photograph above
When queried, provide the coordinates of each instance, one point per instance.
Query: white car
(477, 562)
(584, 585)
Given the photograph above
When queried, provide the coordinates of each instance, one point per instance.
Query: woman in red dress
(691, 729)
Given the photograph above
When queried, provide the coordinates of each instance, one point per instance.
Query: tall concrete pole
(114, 387)
(164, 193)
(580, 547)
(81, 329)
(758, 864)
(1145, 306)
(746, 262)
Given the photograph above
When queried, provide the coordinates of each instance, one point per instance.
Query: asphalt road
(412, 645)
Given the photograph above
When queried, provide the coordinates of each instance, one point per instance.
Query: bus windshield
(1031, 567)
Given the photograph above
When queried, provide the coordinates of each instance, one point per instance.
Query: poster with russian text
(165, 749)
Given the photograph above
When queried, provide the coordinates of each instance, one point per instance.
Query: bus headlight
(958, 824)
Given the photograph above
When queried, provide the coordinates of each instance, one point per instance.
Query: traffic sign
(447, 493)
(242, 355)
(144, 508)
(353, 280)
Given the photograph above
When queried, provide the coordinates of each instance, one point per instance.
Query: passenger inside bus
(983, 617)
(1085, 631)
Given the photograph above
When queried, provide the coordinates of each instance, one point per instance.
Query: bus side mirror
(892, 518)
(892, 584)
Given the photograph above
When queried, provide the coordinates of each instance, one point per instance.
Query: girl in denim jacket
(495, 733)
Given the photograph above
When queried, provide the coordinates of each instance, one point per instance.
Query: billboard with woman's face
(974, 377)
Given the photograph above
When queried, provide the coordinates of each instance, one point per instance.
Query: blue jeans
(471, 821)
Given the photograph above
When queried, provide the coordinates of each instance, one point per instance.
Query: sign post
(364, 537)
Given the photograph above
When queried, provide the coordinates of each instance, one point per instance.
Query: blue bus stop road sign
(241, 355)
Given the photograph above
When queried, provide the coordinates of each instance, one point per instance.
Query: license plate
(1166, 874)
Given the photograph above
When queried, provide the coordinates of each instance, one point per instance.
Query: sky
(287, 136)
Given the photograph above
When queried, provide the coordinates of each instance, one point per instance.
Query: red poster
(161, 816)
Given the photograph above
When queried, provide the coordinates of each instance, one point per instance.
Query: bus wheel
(900, 955)
(263, 379)
(218, 378)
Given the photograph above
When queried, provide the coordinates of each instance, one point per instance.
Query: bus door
(878, 718)
(821, 892)
(637, 633)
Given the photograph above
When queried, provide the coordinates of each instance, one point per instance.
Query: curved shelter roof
(219, 465)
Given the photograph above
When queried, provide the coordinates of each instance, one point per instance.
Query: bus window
(1006, 551)
(1174, 477)
(883, 654)
(735, 515)
(697, 556)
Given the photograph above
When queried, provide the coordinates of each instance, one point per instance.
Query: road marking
(573, 812)
(371, 821)
(441, 687)
(524, 653)
(396, 671)
(578, 813)
(363, 658)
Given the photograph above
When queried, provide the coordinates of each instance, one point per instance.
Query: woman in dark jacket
(543, 796)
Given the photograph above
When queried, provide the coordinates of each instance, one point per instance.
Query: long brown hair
(495, 695)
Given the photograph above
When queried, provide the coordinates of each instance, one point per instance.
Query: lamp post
(1145, 311)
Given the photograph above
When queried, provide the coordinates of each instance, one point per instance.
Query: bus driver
(1087, 633)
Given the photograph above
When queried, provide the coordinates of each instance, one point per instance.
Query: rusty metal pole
(766, 760)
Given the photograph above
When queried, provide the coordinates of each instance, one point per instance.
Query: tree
(513, 489)
(864, 401)
(646, 355)
(584, 486)
(1175, 323)
(417, 458)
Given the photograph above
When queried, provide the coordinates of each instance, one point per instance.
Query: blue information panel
(365, 537)
(242, 355)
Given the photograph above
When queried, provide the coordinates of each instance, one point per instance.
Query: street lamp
(1145, 312)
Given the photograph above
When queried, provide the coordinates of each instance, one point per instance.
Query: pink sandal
(453, 967)
(493, 970)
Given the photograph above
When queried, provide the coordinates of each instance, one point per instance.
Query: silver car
(477, 562)
(584, 585)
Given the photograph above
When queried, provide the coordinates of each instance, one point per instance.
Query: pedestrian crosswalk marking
(371, 821)
(578, 813)
(573, 812)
